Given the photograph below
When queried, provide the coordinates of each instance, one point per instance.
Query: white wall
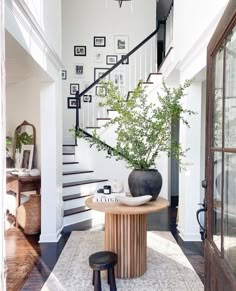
(192, 19)
(23, 103)
(82, 20)
(48, 15)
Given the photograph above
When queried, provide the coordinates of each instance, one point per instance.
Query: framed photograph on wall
(100, 91)
(74, 88)
(111, 59)
(118, 78)
(121, 44)
(99, 41)
(71, 103)
(63, 74)
(79, 70)
(79, 50)
(26, 158)
(98, 57)
(98, 72)
(87, 98)
(126, 61)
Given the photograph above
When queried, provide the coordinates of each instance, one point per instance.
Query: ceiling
(19, 64)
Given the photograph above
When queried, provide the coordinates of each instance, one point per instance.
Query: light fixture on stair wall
(121, 1)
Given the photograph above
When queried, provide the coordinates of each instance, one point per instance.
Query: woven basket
(28, 214)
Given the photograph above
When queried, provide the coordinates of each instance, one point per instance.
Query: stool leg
(108, 279)
(93, 278)
(112, 280)
(97, 281)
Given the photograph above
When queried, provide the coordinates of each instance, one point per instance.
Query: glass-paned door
(220, 246)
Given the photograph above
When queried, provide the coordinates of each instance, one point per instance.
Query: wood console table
(126, 233)
(19, 184)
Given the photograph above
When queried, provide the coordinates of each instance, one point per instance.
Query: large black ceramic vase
(145, 182)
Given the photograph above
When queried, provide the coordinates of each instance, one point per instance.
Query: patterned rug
(167, 267)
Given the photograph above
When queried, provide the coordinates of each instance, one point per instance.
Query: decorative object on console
(100, 197)
(26, 159)
(34, 172)
(25, 134)
(134, 201)
(107, 189)
(116, 186)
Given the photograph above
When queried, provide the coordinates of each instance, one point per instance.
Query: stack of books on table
(101, 197)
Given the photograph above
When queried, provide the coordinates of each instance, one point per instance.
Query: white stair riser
(78, 217)
(112, 114)
(96, 216)
(102, 122)
(86, 189)
(77, 177)
(79, 202)
(68, 149)
(69, 158)
(70, 167)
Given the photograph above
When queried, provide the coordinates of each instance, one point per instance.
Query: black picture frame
(74, 87)
(99, 41)
(100, 91)
(63, 74)
(87, 98)
(111, 59)
(80, 50)
(126, 61)
(71, 103)
(98, 72)
(79, 70)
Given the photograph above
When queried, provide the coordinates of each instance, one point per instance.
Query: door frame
(213, 258)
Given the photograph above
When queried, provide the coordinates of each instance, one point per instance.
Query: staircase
(78, 185)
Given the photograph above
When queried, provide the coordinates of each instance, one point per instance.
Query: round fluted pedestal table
(126, 233)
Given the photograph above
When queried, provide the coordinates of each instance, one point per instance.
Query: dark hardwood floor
(29, 263)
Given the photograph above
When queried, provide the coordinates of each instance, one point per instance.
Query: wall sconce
(121, 1)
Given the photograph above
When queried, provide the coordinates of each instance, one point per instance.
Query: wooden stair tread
(70, 163)
(68, 154)
(78, 183)
(91, 127)
(103, 118)
(75, 196)
(68, 145)
(110, 109)
(75, 210)
(76, 172)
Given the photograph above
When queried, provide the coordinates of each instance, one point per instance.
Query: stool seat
(102, 260)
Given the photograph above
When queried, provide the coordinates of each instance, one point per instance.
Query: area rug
(167, 267)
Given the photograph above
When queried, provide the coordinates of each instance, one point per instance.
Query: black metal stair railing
(115, 66)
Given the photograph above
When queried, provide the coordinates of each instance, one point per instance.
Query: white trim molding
(27, 20)
(2, 150)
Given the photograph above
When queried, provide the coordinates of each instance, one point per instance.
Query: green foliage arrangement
(143, 128)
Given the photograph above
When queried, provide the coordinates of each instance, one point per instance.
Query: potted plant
(143, 131)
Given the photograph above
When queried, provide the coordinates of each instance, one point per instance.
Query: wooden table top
(119, 208)
(10, 178)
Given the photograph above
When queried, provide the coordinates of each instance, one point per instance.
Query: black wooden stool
(102, 261)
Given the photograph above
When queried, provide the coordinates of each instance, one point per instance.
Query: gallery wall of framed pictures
(83, 73)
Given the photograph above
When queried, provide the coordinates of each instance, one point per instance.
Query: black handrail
(79, 95)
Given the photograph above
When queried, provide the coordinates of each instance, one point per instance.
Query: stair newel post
(78, 105)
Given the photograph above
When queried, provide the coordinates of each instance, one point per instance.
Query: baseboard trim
(188, 236)
(50, 237)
